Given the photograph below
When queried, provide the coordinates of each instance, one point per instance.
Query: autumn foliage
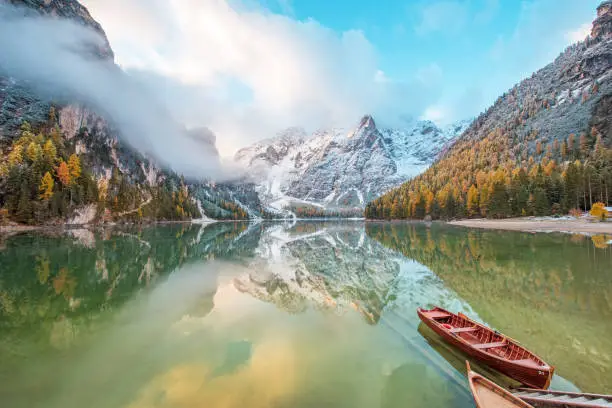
(46, 187)
(486, 178)
(599, 211)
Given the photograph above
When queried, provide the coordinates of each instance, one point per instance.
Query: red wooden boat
(490, 347)
(487, 394)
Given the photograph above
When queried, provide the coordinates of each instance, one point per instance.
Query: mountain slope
(40, 134)
(543, 147)
(339, 169)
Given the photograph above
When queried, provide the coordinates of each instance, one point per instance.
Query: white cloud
(578, 34)
(436, 114)
(70, 74)
(247, 73)
(445, 16)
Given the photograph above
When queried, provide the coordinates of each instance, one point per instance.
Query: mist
(57, 58)
(247, 73)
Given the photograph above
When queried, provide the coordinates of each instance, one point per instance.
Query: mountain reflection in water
(237, 314)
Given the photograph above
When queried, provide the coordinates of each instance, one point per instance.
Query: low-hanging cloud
(55, 56)
(247, 73)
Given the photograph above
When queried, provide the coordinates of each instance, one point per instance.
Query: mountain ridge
(542, 148)
(339, 168)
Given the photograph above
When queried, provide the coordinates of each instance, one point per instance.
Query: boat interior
(483, 338)
(491, 396)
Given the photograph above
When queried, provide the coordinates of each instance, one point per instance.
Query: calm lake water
(280, 315)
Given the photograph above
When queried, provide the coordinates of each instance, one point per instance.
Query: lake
(288, 315)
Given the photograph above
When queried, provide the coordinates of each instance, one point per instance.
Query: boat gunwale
(560, 393)
(557, 392)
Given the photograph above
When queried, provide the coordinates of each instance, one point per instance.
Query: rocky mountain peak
(602, 26)
(332, 168)
(67, 9)
(366, 127)
(367, 122)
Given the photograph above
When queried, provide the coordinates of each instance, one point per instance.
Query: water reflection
(237, 314)
(550, 291)
(329, 267)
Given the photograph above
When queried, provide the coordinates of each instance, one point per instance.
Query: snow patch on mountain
(334, 168)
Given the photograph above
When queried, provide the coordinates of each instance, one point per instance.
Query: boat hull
(533, 377)
(487, 394)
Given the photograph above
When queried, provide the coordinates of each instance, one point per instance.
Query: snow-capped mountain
(337, 168)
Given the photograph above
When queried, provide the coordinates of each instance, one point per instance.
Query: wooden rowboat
(490, 347)
(487, 394)
(563, 399)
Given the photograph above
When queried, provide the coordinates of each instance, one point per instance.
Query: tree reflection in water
(549, 291)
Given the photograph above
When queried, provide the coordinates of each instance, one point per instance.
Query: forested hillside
(42, 179)
(63, 160)
(543, 148)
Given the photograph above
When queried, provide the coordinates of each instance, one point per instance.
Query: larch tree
(50, 152)
(74, 166)
(15, 157)
(63, 173)
(472, 200)
(34, 152)
(46, 187)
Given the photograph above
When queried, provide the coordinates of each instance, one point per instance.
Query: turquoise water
(281, 315)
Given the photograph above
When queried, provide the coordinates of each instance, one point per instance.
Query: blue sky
(250, 68)
(481, 47)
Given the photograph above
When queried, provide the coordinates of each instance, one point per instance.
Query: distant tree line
(320, 212)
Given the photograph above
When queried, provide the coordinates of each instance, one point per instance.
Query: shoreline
(534, 224)
(524, 224)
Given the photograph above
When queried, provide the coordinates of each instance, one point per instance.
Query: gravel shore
(543, 224)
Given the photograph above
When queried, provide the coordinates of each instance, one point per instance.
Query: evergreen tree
(24, 208)
(541, 205)
(499, 202)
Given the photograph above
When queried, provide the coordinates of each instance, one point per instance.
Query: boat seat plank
(527, 362)
(437, 315)
(483, 346)
(464, 329)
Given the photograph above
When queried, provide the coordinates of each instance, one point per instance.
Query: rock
(602, 26)
(84, 215)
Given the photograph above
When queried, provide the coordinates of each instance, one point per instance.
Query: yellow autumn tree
(63, 173)
(74, 166)
(46, 187)
(599, 211)
(50, 152)
(429, 200)
(16, 155)
(34, 152)
(472, 200)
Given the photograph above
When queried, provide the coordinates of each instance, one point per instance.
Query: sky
(247, 69)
